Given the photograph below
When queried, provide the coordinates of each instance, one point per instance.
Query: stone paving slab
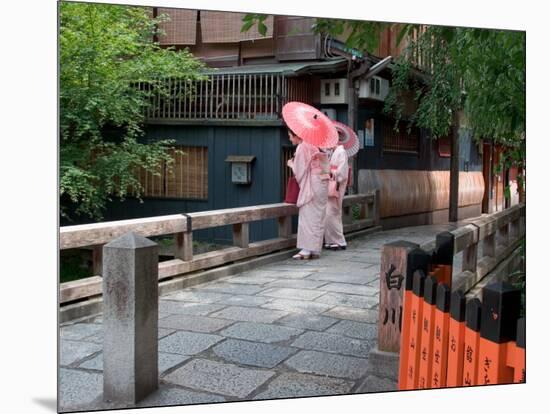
(307, 321)
(170, 395)
(98, 338)
(351, 289)
(360, 315)
(289, 385)
(187, 343)
(253, 353)
(353, 329)
(233, 288)
(73, 351)
(196, 296)
(323, 363)
(188, 308)
(220, 378)
(245, 314)
(289, 293)
(244, 300)
(296, 283)
(165, 361)
(337, 344)
(249, 279)
(79, 389)
(342, 299)
(79, 331)
(194, 323)
(261, 332)
(343, 277)
(297, 306)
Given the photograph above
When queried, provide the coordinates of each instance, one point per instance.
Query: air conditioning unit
(329, 112)
(374, 88)
(334, 91)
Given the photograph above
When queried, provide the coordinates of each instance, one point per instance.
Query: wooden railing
(181, 226)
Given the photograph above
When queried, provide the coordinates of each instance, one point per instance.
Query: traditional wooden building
(233, 117)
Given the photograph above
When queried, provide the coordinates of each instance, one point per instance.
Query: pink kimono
(334, 233)
(311, 169)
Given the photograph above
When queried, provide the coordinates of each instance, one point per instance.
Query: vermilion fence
(448, 342)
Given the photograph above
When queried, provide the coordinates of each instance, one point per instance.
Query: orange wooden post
(443, 256)
(441, 329)
(416, 259)
(499, 314)
(455, 350)
(427, 336)
(471, 342)
(415, 330)
(515, 356)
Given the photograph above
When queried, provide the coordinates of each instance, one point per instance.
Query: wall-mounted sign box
(241, 168)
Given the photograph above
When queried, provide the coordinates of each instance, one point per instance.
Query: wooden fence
(181, 226)
(422, 332)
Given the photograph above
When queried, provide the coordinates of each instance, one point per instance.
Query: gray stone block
(194, 323)
(353, 329)
(170, 395)
(244, 300)
(252, 353)
(246, 314)
(351, 289)
(188, 308)
(73, 351)
(166, 361)
(320, 341)
(297, 306)
(296, 283)
(290, 385)
(234, 288)
(187, 343)
(360, 315)
(289, 293)
(260, 332)
(323, 363)
(342, 299)
(219, 378)
(195, 296)
(79, 390)
(79, 331)
(307, 321)
(130, 319)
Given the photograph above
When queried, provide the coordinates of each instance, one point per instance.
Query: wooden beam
(241, 235)
(183, 246)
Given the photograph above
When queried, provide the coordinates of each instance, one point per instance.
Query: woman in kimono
(311, 168)
(334, 232)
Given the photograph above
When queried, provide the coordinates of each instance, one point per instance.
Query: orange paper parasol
(310, 124)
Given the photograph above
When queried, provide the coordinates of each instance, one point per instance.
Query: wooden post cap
(458, 306)
(444, 248)
(520, 336)
(443, 294)
(418, 283)
(430, 290)
(417, 259)
(473, 314)
(500, 312)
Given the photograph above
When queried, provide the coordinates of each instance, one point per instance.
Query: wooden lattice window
(187, 179)
(400, 140)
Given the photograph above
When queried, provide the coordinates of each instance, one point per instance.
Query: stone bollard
(130, 319)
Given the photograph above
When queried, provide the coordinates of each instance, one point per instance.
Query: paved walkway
(287, 329)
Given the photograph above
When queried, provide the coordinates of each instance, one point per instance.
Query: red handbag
(292, 191)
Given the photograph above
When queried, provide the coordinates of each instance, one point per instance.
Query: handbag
(333, 190)
(292, 190)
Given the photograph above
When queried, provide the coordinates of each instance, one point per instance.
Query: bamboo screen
(181, 29)
(225, 27)
(188, 178)
(400, 140)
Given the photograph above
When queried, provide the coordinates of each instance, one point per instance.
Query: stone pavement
(287, 329)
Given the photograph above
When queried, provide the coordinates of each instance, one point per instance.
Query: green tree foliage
(105, 50)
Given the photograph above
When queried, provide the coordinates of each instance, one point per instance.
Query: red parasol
(310, 124)
(348, 138)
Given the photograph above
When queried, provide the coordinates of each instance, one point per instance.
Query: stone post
(130, 319)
